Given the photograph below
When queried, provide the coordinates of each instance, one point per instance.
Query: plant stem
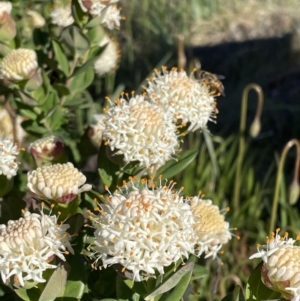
(241, 151)
(287, 147)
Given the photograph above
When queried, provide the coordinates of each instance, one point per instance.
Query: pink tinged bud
(48, 148)
(5, 10)
(7, 28)
(66, 199)
(87, 4)
(19, 64)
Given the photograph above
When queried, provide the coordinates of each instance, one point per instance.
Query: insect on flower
(211, 80)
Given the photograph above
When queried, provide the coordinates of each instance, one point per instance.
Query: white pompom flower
(28, 245)
(187, 99)
(143, 229)
(8, 156)
(109, 59)
(62, 16)
(140, 131)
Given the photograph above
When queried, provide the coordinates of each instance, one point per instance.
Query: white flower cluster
(109, 12)
(109, 59)
(140, 131)
(187, 99)
(145, 129)
(28, 245)
(57, 182)
(281, 268)
(62, 15)
(8, 155)
(146, 229)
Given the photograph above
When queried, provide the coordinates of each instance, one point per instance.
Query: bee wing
(220, 76)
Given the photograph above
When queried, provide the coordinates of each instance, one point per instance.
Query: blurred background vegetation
(247, 41)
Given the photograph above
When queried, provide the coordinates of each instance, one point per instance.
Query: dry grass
(246, 20)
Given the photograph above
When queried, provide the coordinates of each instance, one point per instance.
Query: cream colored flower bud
(47, 148)
(37, 20)
(211, 228)
(19, 64)
(58, 182)
(281, 268)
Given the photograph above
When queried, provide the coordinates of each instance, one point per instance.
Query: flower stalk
(242, 143)
(291, 143)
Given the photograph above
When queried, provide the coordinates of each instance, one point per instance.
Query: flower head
(187, 99)
(109, 59)
(28, 245)
(8, 155)
(281, 265)
(62, 16)
(58, 182)
(140, 131)
(111, 17)
(210, 226)
(6, 126)
(47, 148)
(5, 10)
(143, 229)
(19, 64)
(110, 14)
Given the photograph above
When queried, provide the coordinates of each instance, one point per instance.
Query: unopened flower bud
(5, 10)
(294, 191)
(280, 271)
(47, 149)
(255, 128)
(58, 182)
(19, 64)
(37, 20)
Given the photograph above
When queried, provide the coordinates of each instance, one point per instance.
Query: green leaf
(56, 118)
(172, 168)
(180, 280)
(28, 295)
(5, 186)
(61, 59)
(95, 35)
(107, 169)
(93, 55)
(75, 39)
(79, 16)
(61, 89)
(76, 222)
(75, 286)
(55, 284)
(27, 99)
(94, 22)
(199, 272)
(81, 81)
(236, 295)
(256, 290)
